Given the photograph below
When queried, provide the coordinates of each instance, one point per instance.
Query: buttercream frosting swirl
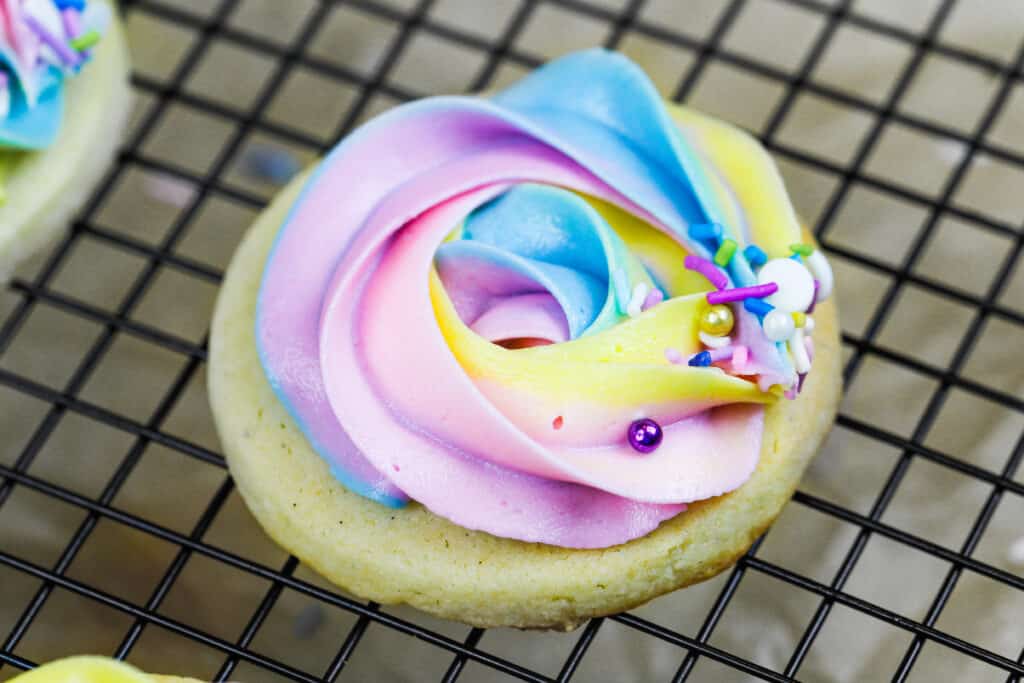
(474, 299)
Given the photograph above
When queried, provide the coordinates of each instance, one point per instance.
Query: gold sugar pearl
(717, 320)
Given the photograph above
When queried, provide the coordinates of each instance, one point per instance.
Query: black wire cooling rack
(212, 26)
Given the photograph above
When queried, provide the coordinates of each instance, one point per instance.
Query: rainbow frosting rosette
(555, 314)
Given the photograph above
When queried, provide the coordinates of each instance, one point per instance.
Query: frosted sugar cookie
(528, 359)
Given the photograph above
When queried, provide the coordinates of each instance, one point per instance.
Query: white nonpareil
(796, 285)
(822, 272)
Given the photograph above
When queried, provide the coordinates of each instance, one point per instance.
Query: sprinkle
(755, 255)
(654, 297)
(636, 301)
(801, 361)
(700, 360)
(72, 21)
(801, 248)
(717, 320)
(1016, 552)
(791, 392)
(707, 269)
(725, 252)
(777, 390)
(800, 381)
(795, 284)
(713, 341)
(78, 5)
(85, 41)
(718, 355)
(778, 326)
(308, 621)
(558, 422)
(799, 319)
(53, 42)
(168, 190)
(814, 299)
(809, 324)
(673, 356)
(822, 272)
(740, 355)
(758, 307)
(644, 435)
(705, 231)
(270, 164)
(740, 293)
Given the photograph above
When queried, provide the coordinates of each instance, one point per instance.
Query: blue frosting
(554, 238)
(600, 107)
(34, 127)
(600, 100)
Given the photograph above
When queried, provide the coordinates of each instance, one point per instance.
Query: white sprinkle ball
(796, 285)
(778, 326)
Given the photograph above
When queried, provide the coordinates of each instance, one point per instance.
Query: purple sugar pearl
(644, 435)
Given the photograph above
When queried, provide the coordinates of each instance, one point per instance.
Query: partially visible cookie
(43, 189)
(93, 669)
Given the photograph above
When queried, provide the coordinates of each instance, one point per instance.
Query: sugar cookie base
(415, 557)
(46, 188)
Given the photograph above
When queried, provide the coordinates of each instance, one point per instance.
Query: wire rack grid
(166, 255)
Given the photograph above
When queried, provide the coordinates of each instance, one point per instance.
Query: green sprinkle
(725, 252)
(85, 41)
(802, 249)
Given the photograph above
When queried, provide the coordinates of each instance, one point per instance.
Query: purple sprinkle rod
(66, 54)
(72, 22)
(726, 296)
(708, 270)
(653, 298)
